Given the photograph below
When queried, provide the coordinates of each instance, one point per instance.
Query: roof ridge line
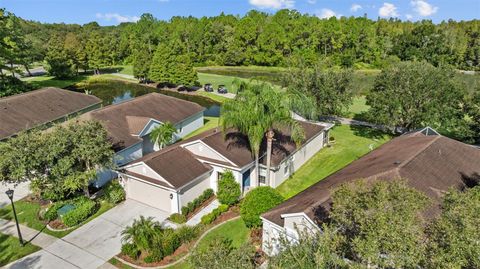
(407, 161)
(121, 103)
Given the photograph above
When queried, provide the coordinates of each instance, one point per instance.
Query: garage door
(149, 194)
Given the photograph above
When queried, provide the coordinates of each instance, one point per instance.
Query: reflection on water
(115, 92)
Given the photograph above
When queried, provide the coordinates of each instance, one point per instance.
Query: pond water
(114, 92)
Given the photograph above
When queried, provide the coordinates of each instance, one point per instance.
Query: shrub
(228, 189)
(114, 192)
(210, 217)
(170, 241)
(83, 209)
(177, 218)
(191, 206)
(51, 213)
(256, 202)
(130, 250)
(187, 233)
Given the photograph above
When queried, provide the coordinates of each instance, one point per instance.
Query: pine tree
(159, 69)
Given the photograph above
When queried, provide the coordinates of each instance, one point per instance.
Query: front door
(246, 179)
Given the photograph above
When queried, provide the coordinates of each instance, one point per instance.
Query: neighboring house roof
(124, 121)
(180, 166)
(430, 163)
(176, 165)
(31, 109)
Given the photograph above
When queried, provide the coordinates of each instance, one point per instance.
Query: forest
(256, 38)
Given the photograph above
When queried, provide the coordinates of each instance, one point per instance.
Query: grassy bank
(11, 250)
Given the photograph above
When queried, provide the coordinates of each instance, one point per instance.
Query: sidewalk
(198, 217)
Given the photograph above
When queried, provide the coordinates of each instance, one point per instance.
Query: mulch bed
(202, 206)
(186, 247)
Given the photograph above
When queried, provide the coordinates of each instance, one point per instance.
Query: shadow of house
(470, 181)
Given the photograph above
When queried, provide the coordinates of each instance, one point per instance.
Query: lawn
(351, 143)
(49, 81)
(11, 249)
(215, 97)
(216, 80)
(234, 230)
(209, 123)
(358, 108)
(27, 213)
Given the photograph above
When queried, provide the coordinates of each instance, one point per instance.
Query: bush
(11, 85)
(256, 202)
(170, 241)
(187, 233)
(83, 209)
(228, 189)
(191, 206)
(210, 217)
(114, 192)
(130, 250)
(177, 218)
(51, 213)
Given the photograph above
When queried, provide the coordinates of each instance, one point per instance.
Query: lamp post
(10, 196)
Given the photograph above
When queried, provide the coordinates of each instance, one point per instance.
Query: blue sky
(111, 12)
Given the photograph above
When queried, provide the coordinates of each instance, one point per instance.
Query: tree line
(257, 38)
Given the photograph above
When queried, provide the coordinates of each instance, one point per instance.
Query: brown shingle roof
(176, 165)
(122, 119)
(430, 164)
(28, 110)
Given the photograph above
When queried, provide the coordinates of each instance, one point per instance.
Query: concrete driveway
(20, 191)
(93, 244)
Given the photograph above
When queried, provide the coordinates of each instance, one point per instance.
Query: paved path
(89, 246)
(198, 217)
(20, 191)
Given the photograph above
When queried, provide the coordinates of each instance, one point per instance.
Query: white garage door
(149, 194)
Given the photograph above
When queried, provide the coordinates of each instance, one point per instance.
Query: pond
(114, 92)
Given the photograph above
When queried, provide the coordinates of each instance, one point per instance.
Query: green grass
(119, 264)
(11, 250)
(216, 80)
(208, 123)
(351, 143)
(234, 230)
(358, 108)
(215, 97)
(27, 213)
(49, 81)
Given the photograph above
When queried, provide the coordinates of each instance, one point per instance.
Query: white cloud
(423, 8)
(325, 13)
(272, 4)
(409, 16)
(388, 10)
(312, 1)
(355, 7)
(117, 17)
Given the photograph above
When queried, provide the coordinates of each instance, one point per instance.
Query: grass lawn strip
(208, 123)
(27, 213)
(11, 250)
(351, 143)
(233, 229)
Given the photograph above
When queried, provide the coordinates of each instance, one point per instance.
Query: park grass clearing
(50, 81)
(358, 108)
(27, 213)
(208, 123)
(351, 143)
(11, 250)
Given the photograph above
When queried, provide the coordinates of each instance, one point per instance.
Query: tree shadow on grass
(367, 132)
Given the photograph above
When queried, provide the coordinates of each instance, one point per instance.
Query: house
(42, 108)
(431, 163)
(129, 123)
(170, 178)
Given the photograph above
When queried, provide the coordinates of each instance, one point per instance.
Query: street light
(10, 196)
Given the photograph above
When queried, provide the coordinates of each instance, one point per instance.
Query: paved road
(91, 245)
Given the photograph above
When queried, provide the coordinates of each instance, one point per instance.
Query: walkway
(20, 191)
(89, 246)
(198, 217)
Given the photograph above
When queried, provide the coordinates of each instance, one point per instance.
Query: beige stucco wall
(149, 194)
(194, 189)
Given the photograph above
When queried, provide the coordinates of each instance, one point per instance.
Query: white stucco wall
(130, 154)
(189, 125)
(271, 235)
(294, 162)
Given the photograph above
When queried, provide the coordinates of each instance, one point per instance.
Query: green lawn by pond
(350, 144)
(27, 213)
(209, 123)
(11, 250)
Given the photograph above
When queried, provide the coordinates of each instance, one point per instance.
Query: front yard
(11, 250)
(351, 143)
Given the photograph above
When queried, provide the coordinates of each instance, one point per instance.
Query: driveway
(20, 191)
(93, 244)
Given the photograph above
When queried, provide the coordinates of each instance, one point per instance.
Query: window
(285, 169)
(261, 179)
(180, 130)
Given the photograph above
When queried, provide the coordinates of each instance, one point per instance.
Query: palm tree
(141, 233)
(162, 135)
(257, 109)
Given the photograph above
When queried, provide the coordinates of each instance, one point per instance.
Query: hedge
(256, 202)
(191, 206)
(83, 209)
(114, 192)
(210, 217)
